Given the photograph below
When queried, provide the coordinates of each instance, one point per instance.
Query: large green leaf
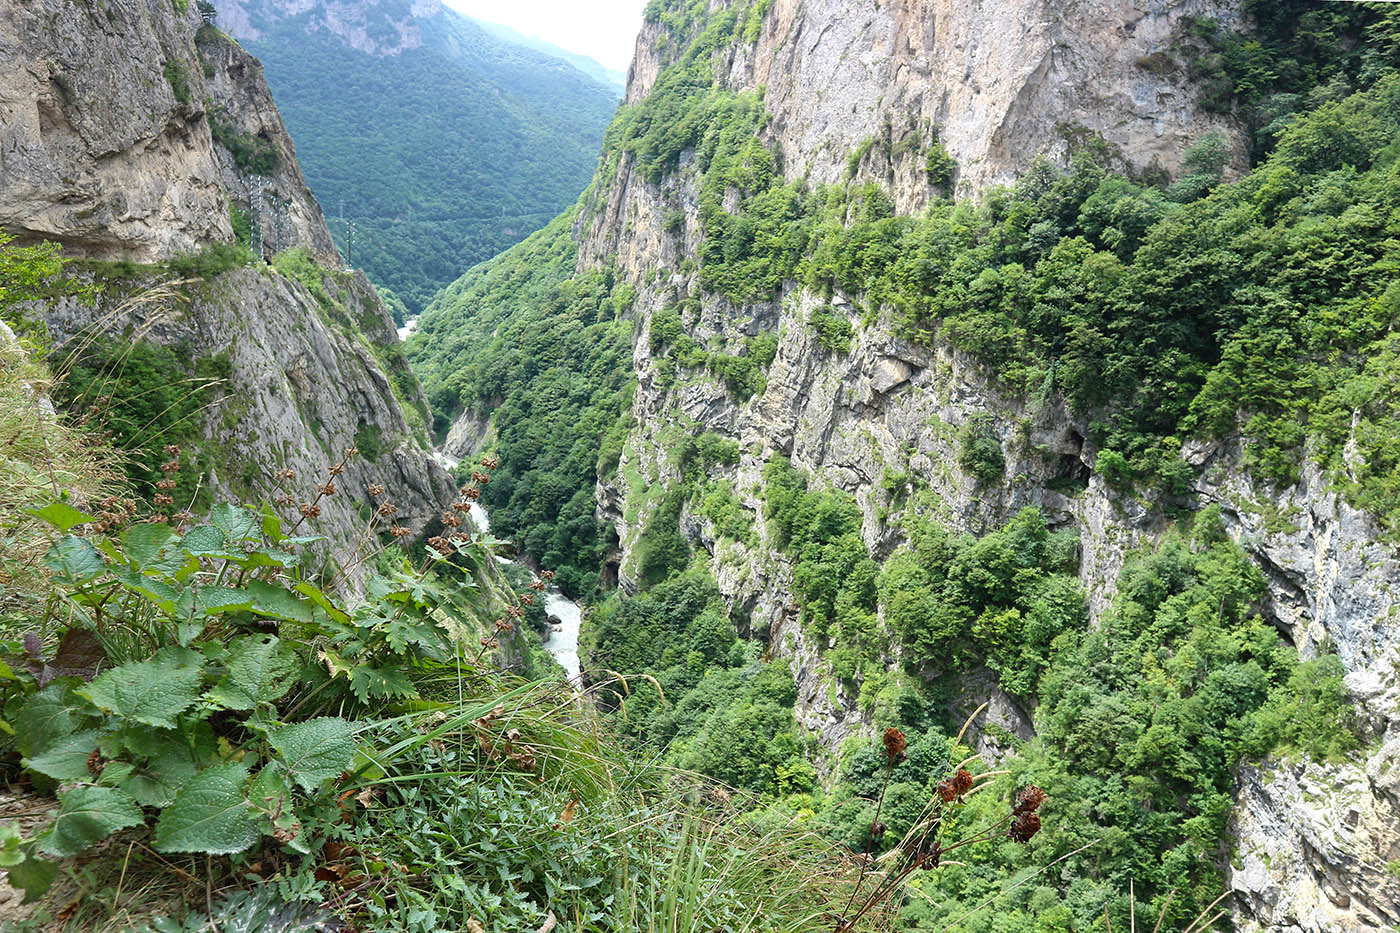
(314, 593)
(235, 522)
(153, 692)
(87, 815)
(271, 795)
(210, 814)
(75, 558)
(67, 758)
(314, 751)
(277, 603)
(206, 541)
(47, 717)
(211, 600)
(33, 876)
(155, 783)
(158, 592)
(10, 841)
(62, 516)
(259, 671)
(151, 546)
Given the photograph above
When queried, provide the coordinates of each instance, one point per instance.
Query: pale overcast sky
(604, 29)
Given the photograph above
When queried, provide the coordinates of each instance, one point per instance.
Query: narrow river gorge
(565, 615)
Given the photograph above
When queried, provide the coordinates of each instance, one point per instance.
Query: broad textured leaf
(210, 814)
(75, 558)
(47, 717)
(154, 590)
(277, 603)
(33, 876)
(236, 523)
(87, 815)
(260, 670)
(153, 692)
(156, 783)
(116, 774)
(67, 758)
(212, 600)
(271, 524)
(10, 839)
(313, 592)
(205, 541)
(271, 795)
(151, 546)
(314, 751)
(62, 516)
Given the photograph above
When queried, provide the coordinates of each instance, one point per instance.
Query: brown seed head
(400, 532)
(170, 466)
(546, 574)
(473, 494)
(376, 490)
(161, 500)
(336, 469)
(962, 781)
(894, 745)
(326, 489)
(284, 498)
(387, 509)
(286, 474)
(1024, 827)
(171, 450)
(1028, 800)
(308, 510)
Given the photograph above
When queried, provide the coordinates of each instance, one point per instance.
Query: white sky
(604, 29)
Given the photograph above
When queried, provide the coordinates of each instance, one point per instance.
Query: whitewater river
(562, 639)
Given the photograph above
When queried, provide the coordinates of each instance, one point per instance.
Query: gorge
(917, 390)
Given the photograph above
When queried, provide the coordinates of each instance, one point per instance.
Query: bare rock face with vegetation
(161, 187)
(981, 353)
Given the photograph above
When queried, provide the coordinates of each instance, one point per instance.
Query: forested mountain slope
(1034, 354)
(440, 141)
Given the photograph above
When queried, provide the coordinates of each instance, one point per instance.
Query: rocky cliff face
(128, 133)
(378, 27)
(1002, 83)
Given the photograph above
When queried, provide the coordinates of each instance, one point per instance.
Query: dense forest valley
(970, 436)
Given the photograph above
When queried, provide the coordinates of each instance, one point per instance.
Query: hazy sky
(604, 29)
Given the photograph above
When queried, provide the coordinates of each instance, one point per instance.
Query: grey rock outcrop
(126, 133)
(377, 27)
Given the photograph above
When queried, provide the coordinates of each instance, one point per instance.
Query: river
(562, 640)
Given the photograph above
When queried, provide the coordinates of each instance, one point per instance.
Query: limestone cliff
(128, 131)
(999, 84)
(378, 27)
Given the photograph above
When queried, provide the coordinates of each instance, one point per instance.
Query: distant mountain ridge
(613, 77)
(432, 142)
